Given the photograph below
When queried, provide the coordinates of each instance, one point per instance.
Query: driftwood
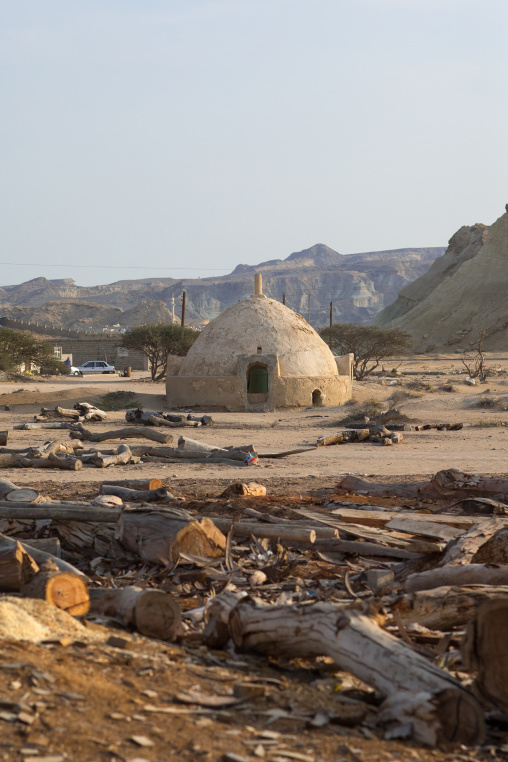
(151, 612)
(17, 567)
(63, 590)
(157, 495)
(457, 574)
(440, 709)
(79, 432)
(485, 649)
(444, 608)
(159, 538)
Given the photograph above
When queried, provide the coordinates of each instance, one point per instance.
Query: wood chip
(141, 741)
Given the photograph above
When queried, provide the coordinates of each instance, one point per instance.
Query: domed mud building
(258, 355)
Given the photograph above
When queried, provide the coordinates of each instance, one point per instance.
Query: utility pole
(283, 298)
(184, 299)
(331, 322)
(308, 308)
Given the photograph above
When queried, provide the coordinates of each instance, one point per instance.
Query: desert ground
(88, 697)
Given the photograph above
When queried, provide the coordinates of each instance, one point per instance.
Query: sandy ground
(479, 447)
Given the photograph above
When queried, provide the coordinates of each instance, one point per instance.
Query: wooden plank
(386, 537)
(381, 517)
(425, 528)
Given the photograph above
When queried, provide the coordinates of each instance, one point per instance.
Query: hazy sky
(167, 134)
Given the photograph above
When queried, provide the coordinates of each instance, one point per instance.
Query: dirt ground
(118, 700)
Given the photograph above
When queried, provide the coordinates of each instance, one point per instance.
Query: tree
(18, 347)
(159, 341)
(475, 365)
(369, 344)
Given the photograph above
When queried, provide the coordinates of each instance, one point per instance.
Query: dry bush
(448, 388)
(487, 402)
(484, 424)
(370, 409)
(420, 386)
(402, 395)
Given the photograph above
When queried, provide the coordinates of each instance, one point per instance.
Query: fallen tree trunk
(440, 709)
(68, 592)
(159, 539)
(136, 432)
(485, 649)
(153, 613)
(185, 443)
(12, 493)
(157, 495)
(451, 483)
(66, 463)
(443, 608)
(457, 574)
(40, 557)
(48, 425)
(359, 486)
(139, 484)
(17, 567)
(342, 437)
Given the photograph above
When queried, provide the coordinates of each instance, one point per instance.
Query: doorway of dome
(317, 398)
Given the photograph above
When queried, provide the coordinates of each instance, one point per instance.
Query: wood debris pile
(412, 603)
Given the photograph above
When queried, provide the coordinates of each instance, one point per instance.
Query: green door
(258, 381)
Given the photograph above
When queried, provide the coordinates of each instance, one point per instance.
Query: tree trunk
(67, 463)
(137, 496)
(141, 484)
(451, 483)
(48, 425)
(158, 539)
(68, 592)
(13, 493)
(49, 545)
(444, 608)
(17, 567)
(356, 485)
(485, 649)
(135, 432)
(457, 574)
(151, 612)
(440, 708)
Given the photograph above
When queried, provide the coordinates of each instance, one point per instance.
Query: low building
(258, 355)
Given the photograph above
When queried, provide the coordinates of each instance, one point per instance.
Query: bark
(159, 539)
(494, 550)
(441, 710)
(138, 432)
(58, 512)
(151, 612)
(457, 574)
(359, 486)
(49, 545)
(444, 608)
(17, 567)
(425, 528)
(464, 548)
(91, 539)
(158, 495)
(68, 592)
(451, 483)
(485, 649)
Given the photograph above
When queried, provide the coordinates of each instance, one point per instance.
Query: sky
(179, 138)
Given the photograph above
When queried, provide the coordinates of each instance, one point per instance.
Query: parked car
(93, 366)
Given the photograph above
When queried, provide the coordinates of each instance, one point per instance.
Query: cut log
(342, 437)
(44, 425)
(159, 539)
(49, 545)
(40, 557)
(485, 648)
(7, 460)
(68, 592)
(158, 495)
(67, 463)
(3, 438)
(141, 484)
(353, 639)
(451, 483)
(251, 489)
(122, 457)
(139, 432)
(51, 448)
(185, 443)
(494, 550)
(457, 574)
(444, 608)
(17, 567)
(13, 493)
(359, 486)
(153, 613)
(463, 548)
(58, 511)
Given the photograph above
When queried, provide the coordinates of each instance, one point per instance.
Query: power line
(117, 267)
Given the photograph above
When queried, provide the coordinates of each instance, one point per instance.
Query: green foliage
(120, 400)
(17, 347)
(159, 341)
(369, 344)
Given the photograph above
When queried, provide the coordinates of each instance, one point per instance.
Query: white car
(93, 366)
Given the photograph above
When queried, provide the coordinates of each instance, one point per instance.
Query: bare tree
(474, 363)
(369, 344)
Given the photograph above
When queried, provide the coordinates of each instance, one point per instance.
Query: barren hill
(463, 293)
(359, 285)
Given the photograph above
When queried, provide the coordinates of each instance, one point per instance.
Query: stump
(153, 613)
(66, 591)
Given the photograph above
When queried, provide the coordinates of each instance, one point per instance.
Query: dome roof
(253, 323)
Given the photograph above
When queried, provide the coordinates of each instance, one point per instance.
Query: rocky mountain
(359, 285)
(463, 293)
